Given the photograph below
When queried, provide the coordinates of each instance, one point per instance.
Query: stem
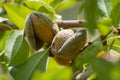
(70, 23)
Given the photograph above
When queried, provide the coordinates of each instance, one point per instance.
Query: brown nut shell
(60, 38)
(58, 41)
(39, 29)
(63, 61)
(33, 42)
(67, 44)
(43, 27)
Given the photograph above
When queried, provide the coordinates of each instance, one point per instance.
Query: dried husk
(39, 29)
(43, 27)
(67, 44)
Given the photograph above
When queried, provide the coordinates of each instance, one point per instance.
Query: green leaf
(55, 2)
(20, 51)
(42, 65)
(3, 37)
(19, 1)
(116, 45)
(90, 9)
(13, 71)
(3, 77)
(113, 42)
(106, 70)
(104, 7)
(87, 55)
(82, 5)
(65, 4)
(24, 73)
(116, 48)
(115, 15)
(16, 49)
(37, 4)
(96, 65)
(104, 26)
(10, 43)
(55, 74)
(34, 4)
(2, 56)
(17, 14)
(108, 4)
(0, 4)
(114, 2)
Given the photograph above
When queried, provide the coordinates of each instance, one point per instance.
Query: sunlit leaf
(30, 65)
(65, 4)
(33, 4)
(19, 1)
(37, 4)
(17, 14)
(56, 74)
(87, 55)
(114, 2)
(53, 64)
(3, 77)
(0, 4)
(117, 41)
(55, 2)
(104, 26)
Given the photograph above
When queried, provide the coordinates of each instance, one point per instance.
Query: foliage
(101, 54)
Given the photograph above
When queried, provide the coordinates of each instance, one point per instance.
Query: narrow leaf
(115, 15)
(82, 5)
(116, 48)
(30, 65)
(10, 43)
(42, 65)
(108, 4)
(87, 55)
(16, 49)
(114, 2)
(102, 8)
(116, 45)
(20, 51)
(91, 14)
(104, 26)
(37, 4)
(65, 4)
(56, 2)
(106, 70)
(3, 37)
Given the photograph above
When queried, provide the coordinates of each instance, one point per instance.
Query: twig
(70, 23)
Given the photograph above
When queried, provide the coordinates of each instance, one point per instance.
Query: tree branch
(70, 23)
